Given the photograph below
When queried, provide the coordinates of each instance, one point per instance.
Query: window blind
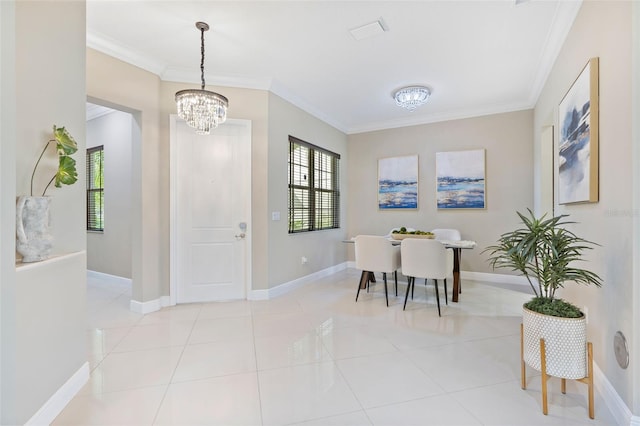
(95, 188)
(314, 187)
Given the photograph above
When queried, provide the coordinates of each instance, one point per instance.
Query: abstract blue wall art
(578, 147)
(398, 182)
(461, 179)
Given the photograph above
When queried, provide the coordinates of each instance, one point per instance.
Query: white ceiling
(478, 57)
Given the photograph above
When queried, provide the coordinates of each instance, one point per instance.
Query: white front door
(210, 212)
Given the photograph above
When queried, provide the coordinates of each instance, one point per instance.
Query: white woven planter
(565, 341)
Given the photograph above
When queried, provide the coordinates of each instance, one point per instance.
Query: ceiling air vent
(368, 30)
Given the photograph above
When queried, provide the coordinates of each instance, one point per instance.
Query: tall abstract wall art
(398, 182)
(578, 143)
(461, 179)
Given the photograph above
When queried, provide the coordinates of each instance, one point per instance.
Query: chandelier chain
(202, 56)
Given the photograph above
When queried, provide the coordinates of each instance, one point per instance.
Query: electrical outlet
(304, 260)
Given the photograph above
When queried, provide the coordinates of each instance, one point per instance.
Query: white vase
(34, 240)
(565, 344)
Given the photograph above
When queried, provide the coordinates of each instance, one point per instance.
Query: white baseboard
(54, 405)
(617, 407)
(288, 286)
(102, 275)
(494, 278)
(134, 305)
(258, 295)
(149, 306)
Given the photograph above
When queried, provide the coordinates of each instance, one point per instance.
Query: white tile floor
(316, 357)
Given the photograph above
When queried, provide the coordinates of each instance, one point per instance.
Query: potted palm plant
(553, 330)
(33, 233)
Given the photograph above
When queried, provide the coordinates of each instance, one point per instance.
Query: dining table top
(462, 244)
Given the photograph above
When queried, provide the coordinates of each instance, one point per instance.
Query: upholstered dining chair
(423, 258)
(376, 254)
(446, 234)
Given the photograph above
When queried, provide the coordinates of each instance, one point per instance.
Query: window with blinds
(95, 188)
(314, 187)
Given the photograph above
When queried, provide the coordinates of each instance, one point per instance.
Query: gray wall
(323, 249)
(113, 83)
(507, 139)
(8, 193)
(43, 304)
(603, 29)
(109, 252)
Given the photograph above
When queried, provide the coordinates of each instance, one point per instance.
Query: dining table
(455, 245)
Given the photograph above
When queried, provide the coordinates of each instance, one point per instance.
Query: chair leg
(386, 294)
(446, 297)
(406, 296)
(395, 276)
(413, 287)
(437, 297)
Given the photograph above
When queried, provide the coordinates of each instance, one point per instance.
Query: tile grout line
(255, 356)
(164, 395)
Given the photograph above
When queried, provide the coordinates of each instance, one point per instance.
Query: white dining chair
(376, 254)
(447, 234)
(428, 259)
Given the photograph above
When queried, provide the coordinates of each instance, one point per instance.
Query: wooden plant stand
(545, 377)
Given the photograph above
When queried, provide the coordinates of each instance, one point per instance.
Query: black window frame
(95, 223)
(314, 205)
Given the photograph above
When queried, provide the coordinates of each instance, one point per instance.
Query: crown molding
(566, 12)
(282, 91)
(110, 47)
(94, 111)
(436, 118)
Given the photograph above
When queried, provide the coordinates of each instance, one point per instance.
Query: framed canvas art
(398, 182)
(460, 177)
(577, 159)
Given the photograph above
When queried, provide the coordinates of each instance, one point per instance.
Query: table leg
(366, 276)
(457, 252)
(363, 279)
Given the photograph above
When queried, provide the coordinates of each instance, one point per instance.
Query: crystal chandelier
(201, 109)
(411, 97)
